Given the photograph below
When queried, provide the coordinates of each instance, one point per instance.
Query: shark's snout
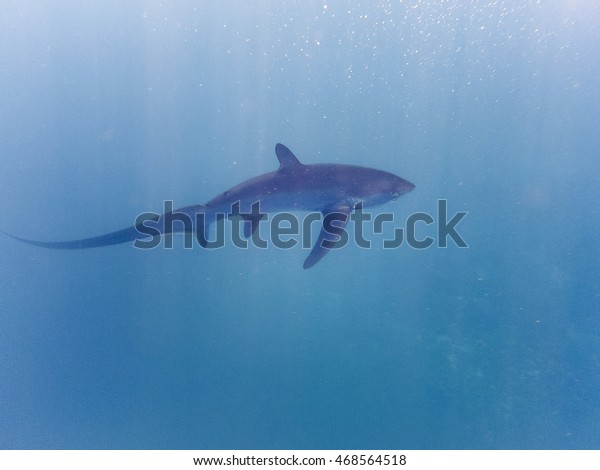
(402, 187)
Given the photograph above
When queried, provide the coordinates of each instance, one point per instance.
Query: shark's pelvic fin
(251, 224)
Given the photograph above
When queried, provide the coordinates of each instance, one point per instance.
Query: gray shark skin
(332, 189)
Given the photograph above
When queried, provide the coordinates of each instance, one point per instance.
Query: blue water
(109, 108)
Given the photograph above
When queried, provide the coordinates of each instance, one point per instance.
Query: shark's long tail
(113, 238)
(177, 221)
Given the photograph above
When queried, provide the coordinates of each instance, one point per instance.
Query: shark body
(327, 188)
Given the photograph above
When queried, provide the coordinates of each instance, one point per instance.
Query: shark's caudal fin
(150, 228)
(113, 238)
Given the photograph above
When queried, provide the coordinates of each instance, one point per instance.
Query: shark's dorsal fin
(286, 158)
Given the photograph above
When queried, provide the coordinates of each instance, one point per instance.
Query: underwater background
(109, 108)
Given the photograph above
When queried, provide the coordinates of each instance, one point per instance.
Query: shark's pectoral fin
(333, 232)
